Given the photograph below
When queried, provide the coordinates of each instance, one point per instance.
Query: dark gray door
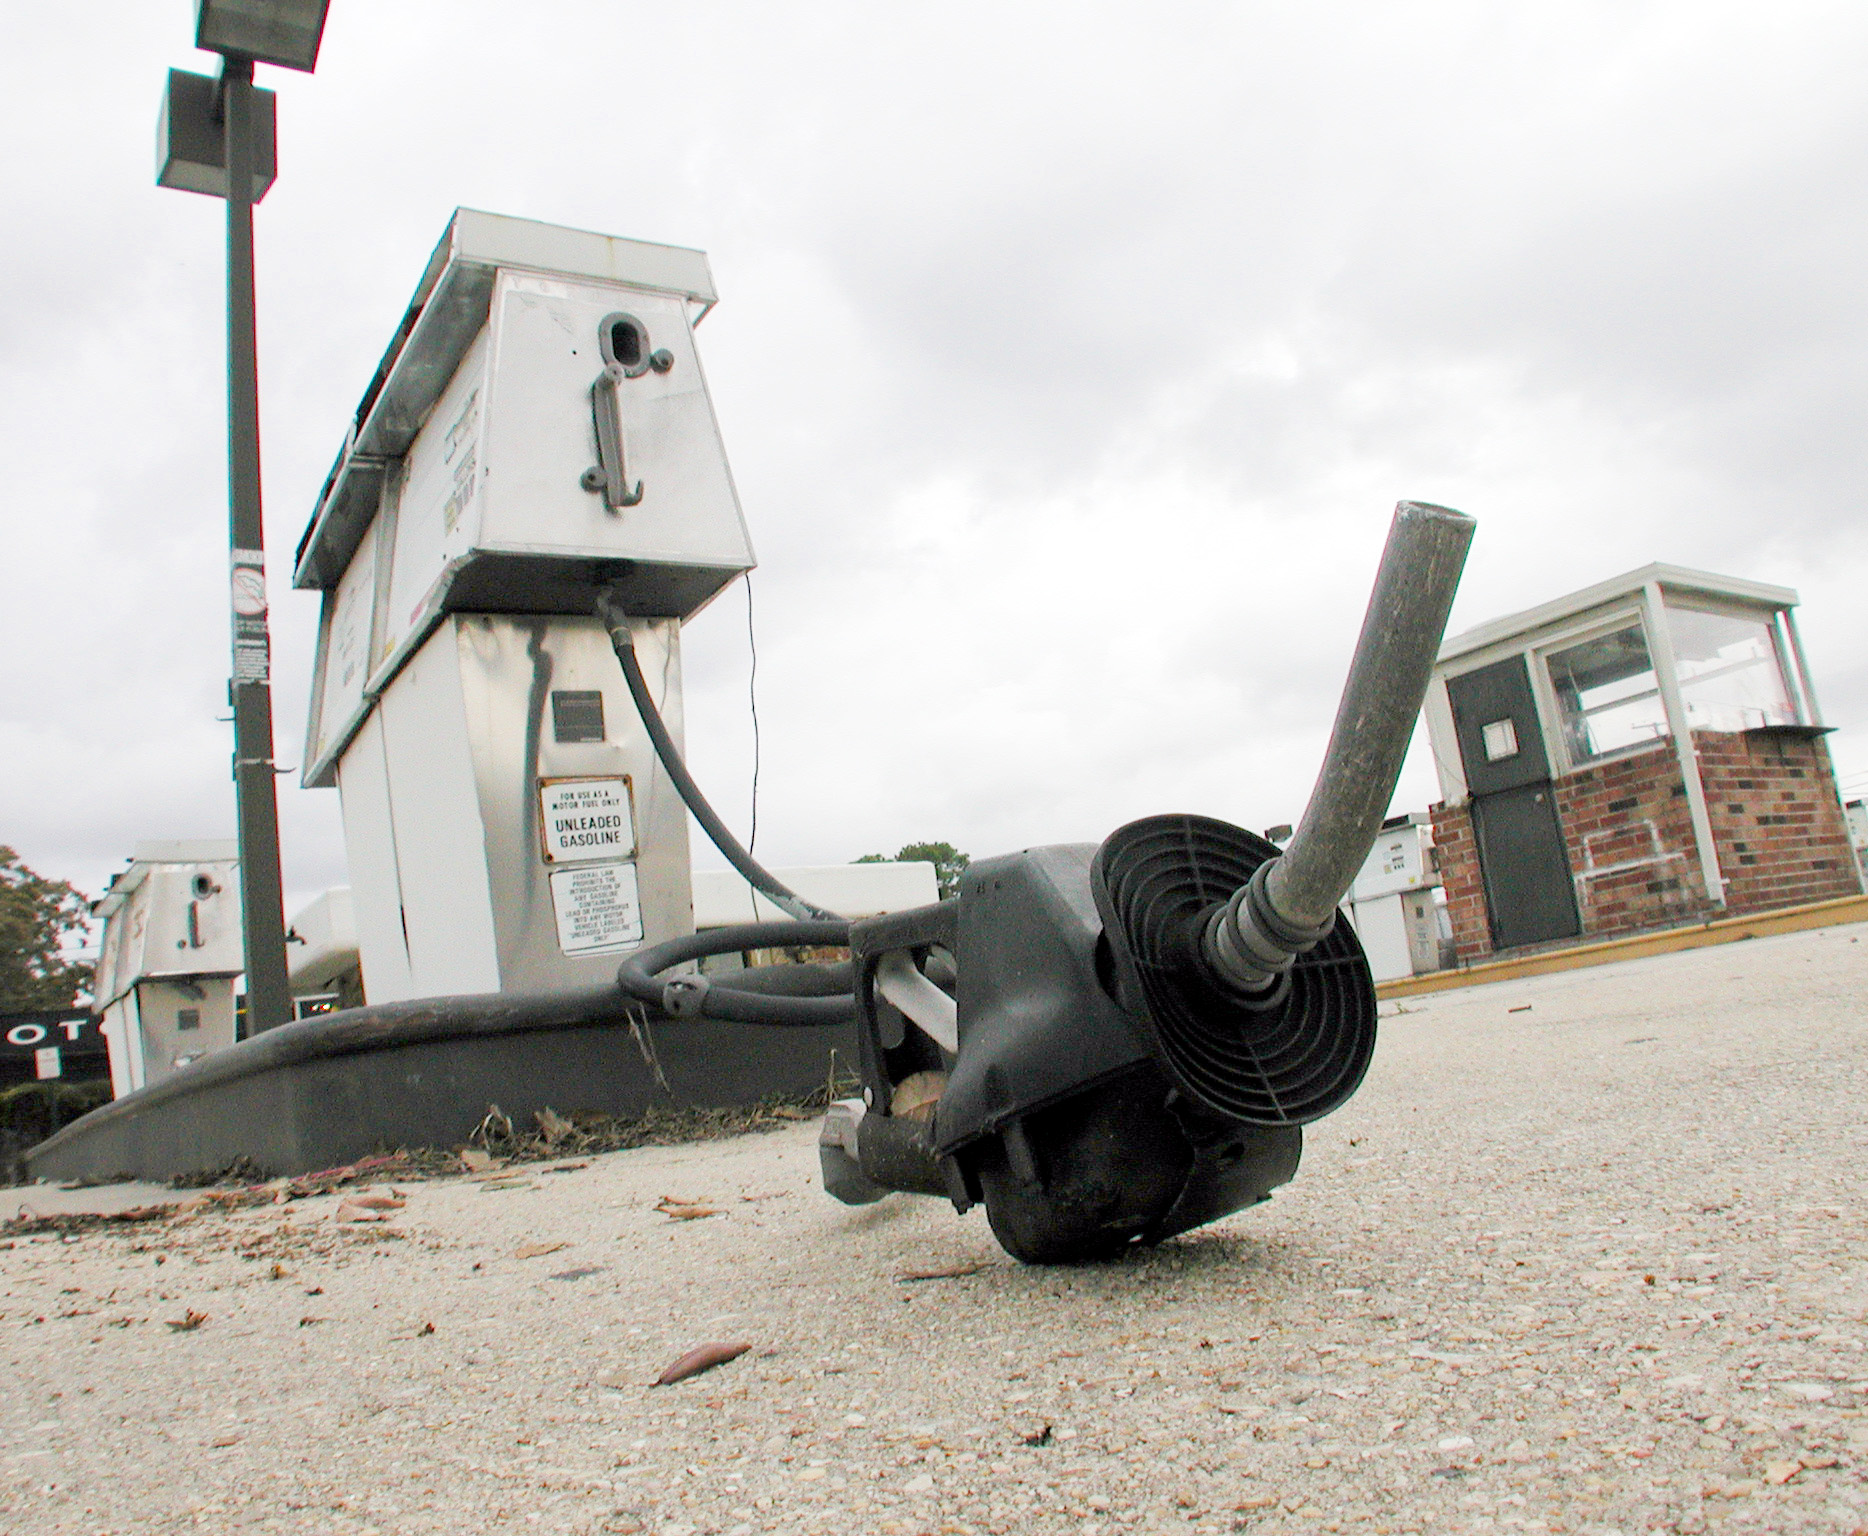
(1529, 889)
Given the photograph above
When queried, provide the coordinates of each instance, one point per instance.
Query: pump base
(329, 1090)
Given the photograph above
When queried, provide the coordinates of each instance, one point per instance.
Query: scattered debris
(29, 1223)
(705, 1358)
(188, 1321)
(951, 1272)
(553, 1126)
(393, 1201)
(1521, 1008)
(278, 1271)
(367, 1208)
(677, 1209)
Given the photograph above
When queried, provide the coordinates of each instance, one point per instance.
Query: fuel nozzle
(1290, 902)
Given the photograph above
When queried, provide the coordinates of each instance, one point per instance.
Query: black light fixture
(282, 32)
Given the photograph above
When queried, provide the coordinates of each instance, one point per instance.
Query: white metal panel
(375, 884)
(1381, 924)
(125, 1041)
(440, 841)
(344, 650)
(327, 939)
(510, 666)
(540, 438)
(438, 508)
(1397, 861)
(499, 240)
(181, 1021)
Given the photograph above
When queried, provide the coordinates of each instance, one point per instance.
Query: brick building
(1643, 753)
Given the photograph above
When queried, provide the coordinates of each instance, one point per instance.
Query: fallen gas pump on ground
(1104, 1045)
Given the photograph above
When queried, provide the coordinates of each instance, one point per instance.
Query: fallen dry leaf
(349, 1210)
(552, 1125)
(676, 1209)
(951, 1272)
(224, 1441)
(278, 1271)
(188, 1321)
(1780, 1472)
(393, 1201)
(538, 1250)
(704, 1358)
(476, 1161)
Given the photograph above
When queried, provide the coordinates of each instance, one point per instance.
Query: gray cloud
(1070, 360)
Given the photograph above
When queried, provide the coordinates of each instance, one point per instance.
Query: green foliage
(35, 914)
(948, 862)
(30, 1112)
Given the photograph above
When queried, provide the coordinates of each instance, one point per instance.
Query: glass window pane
(1730, 676)
(1608, 697)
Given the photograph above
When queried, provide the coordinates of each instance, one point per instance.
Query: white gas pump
(170, 955)
(539, 431)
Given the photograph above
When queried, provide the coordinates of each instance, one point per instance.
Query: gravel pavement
(1587, 1254)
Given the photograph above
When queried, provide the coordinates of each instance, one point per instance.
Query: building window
(1608, 698)
(1730, 676)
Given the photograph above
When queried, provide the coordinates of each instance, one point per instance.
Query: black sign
(62, 1043)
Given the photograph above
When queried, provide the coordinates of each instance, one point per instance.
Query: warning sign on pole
(598, 907)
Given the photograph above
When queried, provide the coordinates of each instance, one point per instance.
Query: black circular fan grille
(1284, 1064)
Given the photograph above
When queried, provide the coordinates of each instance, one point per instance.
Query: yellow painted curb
(1724, 930)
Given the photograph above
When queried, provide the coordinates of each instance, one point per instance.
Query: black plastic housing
(1106, 1091)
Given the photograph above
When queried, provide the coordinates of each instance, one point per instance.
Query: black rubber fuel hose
(616, 619)
(717, 997)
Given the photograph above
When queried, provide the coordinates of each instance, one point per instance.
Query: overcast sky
(1070, 358)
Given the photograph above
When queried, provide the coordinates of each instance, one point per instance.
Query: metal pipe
(1290, 902)
(268, 989)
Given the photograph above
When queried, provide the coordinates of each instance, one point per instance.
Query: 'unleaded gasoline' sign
(586, 819)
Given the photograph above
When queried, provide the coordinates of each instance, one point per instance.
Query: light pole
(218, 137)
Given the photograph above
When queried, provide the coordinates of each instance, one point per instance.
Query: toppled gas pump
(1107, 1045)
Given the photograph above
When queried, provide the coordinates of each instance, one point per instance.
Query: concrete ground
(1587, 1254)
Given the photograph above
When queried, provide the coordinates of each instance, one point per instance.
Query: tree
(35, 915)
(948, 862)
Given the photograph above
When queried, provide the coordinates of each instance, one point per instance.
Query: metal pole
(1667, 674)
(268, 994)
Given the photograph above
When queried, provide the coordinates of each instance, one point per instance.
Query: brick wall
(1629, 834)
(1776, 821)
(1777, 827)
(1457, 856)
